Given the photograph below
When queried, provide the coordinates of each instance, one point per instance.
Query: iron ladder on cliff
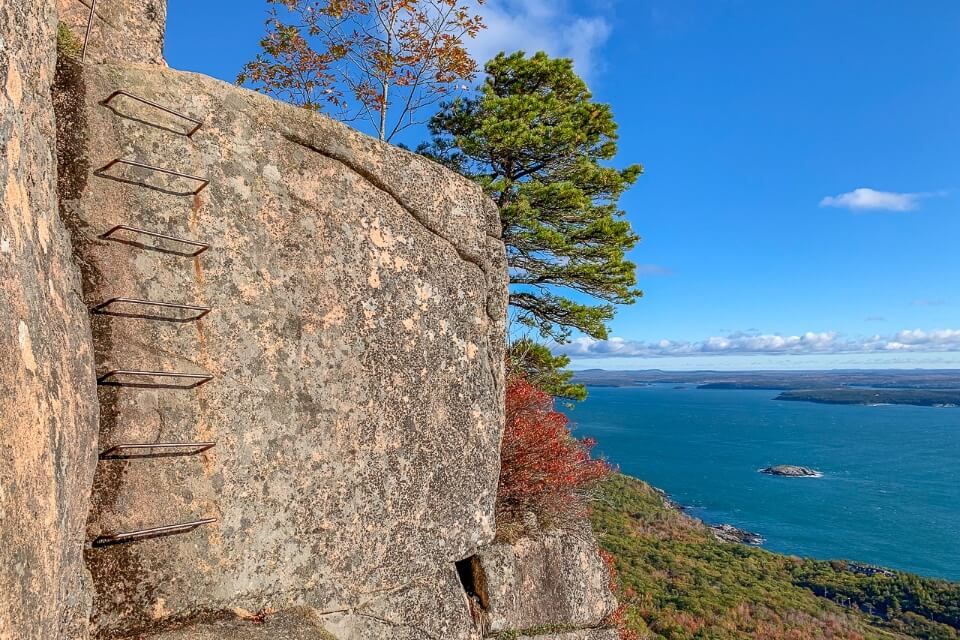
(152, 310)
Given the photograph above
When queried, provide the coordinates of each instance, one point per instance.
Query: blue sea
(890, 491)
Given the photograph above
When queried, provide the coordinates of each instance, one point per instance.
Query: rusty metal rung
(121, 92)
(86, 36)
(101, 308)
(192, 448)
(133, 163)
(203, 246)
(201, 378)
(130, 536)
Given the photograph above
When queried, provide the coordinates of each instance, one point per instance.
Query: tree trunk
(383, 109)
(385, 81)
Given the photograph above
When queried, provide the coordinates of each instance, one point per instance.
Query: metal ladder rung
(203, 246)
(86, 36)
(120, 92)
(133, 163)
(201, 378)
(130, 536)
(192, 449)
(102, 309)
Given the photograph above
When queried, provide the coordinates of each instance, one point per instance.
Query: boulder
(48, 403)
(433, 607)
(554, 579)
(355, 339)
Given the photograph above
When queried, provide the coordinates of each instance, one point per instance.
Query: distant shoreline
(936, 388)
(875, 397)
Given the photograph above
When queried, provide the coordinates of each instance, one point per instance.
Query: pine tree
(537, 142)
(535, 363)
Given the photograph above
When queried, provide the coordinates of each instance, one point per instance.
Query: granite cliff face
(354, 339)
(48, 404)
(339, 315)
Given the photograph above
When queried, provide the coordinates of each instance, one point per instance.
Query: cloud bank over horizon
(552, 26)
(743, 343)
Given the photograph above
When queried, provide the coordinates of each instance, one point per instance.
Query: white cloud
(865, 199)
(540, 25)
(809, 343)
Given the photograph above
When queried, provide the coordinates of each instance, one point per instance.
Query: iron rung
(133, 163)
(120, 92)
(130, 536)
(86, 35)
(202, 311)
(202, 246)
(201, 378)
(192, 448)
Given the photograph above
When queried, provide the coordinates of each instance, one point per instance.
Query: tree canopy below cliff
(537, 142)
(680, 583)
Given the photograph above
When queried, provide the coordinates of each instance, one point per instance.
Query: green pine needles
(537, 143)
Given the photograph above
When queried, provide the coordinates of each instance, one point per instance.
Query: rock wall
(48, 406)
(121, 30)
(356, 344)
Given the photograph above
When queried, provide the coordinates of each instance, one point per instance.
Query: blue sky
(801, 202)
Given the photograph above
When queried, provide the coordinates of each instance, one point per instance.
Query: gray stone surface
(554, 579)
(48, 410)
(356, 337)
(295, 624)
(122, 30)
(434, 607)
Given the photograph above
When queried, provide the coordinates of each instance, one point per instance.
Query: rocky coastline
(722, 532)
(730, 533)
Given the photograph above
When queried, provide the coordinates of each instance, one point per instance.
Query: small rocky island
(791, 471)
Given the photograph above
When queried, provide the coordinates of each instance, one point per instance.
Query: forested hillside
(679, 582)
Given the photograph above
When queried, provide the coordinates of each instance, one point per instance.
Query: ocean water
(890, 491)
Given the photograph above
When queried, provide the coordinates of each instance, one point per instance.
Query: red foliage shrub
(544, 469)
(611, 564)
(618, 619)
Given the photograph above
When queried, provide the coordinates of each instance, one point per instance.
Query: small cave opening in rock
(474, 582)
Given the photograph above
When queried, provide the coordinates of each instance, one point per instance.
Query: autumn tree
(539, 145)
(544, 470)
(382, 61)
